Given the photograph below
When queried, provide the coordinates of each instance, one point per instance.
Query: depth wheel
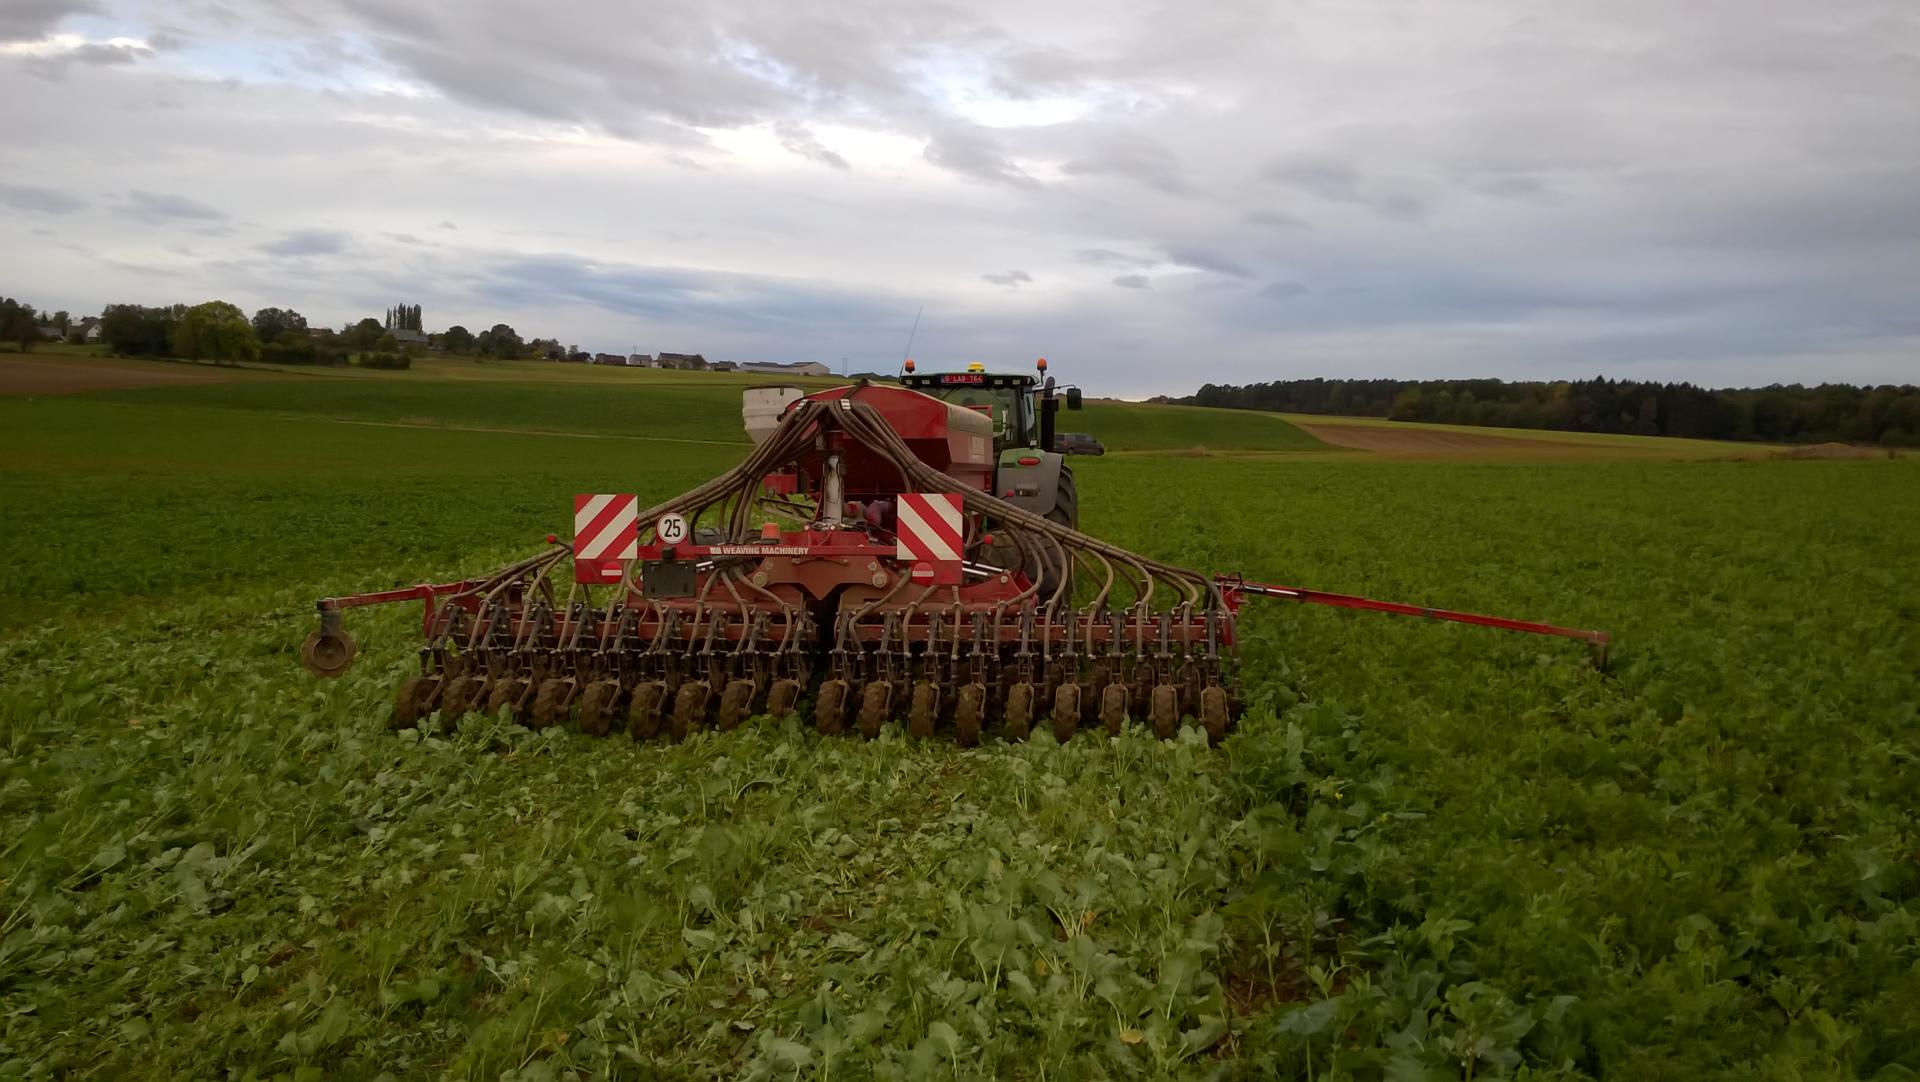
(507, 695)
(830, 708)
(689, 707)
(406, 703)
(966, 714)
(1213, 713)
(876, 702)
(456, 701)
(783, 698)
(1164, 711)
(736, 704)
(643, 713)
(1066, 712)
(1019, 711)
(546, 704)
(596, 707)
(1113, 707)
(924, 712)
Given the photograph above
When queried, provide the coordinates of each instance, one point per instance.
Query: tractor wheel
(596, 707)
(1066, 712)
(783, 698)
(736, 704)
(1213, 713)
(690, 707)
(925, 710)
(328, 654)
(1113, 707)
(406, 703)
(966, 714)
(830, 708)
(643, 712)
(1019, 711)
(1165, 711)
(546, 704)
(876, 706)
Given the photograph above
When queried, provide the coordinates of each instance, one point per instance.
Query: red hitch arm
(1232, 585)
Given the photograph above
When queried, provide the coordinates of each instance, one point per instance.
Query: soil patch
(1831, 450)
(30, 375)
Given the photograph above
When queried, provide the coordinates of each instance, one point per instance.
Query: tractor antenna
(908, 352)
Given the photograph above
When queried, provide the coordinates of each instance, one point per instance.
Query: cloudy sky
(1152, 194)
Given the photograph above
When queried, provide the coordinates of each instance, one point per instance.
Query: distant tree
(18, 323)
(386, 343)
(457, 339)
(364, 334)
(61, 320)
(215, 331)
(403, 317)
(137, 330)
(269, 323)
(503, 342)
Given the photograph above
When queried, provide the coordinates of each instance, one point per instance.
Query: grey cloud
(30, 20)
(1132, 159)
(45, 200)
(1133, 281)
(1275, 219)
(446, 225)
(1010, 279)
(681, 296)
(1107, 257)
(308, 242)
(972, 152)
(1282, 291)
(799, 139)
(1341, 182)
(160, 206)
(1206, 259)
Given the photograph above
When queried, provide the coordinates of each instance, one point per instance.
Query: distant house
(407, 337)
(578, 356)
(84, 330)
(796, 368)
(723, 366)
(610, 358)
(686, 362)
(639, 360)
(49, 330)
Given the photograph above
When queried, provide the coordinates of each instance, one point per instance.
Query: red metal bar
(426, 591)
(1231, 584)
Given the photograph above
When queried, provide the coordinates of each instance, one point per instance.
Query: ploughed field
(1429, 851)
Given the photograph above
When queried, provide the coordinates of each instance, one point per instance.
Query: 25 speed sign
(670, 529)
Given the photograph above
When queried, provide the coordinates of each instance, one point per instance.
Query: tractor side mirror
(1073, 398)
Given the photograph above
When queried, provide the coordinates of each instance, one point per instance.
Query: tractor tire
(1164, 712)
(1213, 713)
(406, 704)
(876, 707)
(690, 707)
(596, 707)
(1113, 708)
(971, 704)
(1066, 712)
(736, 704)
(1066, 512)
(643, 711)
(924, 713)
(1019, 720)
(830, 708)
(783, 698)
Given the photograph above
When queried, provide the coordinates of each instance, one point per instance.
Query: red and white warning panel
(930, 536)
(606, 533)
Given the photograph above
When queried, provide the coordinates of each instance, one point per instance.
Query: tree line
(221, 332)
(1791, 413)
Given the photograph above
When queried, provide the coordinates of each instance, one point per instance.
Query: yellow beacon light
(976, 367)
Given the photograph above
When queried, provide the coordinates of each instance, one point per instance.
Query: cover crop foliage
(1429, 852)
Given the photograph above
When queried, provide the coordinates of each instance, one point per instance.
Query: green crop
(1429, 852)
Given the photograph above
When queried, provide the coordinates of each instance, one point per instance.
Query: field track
(30, 375)
(1420, 441)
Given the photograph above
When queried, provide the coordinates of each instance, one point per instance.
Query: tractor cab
(1021, 407)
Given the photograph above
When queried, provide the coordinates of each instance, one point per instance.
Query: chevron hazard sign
(606, 532)
(930, 535)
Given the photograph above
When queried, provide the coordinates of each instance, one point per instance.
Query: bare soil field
(1421, 441)
(30, 375)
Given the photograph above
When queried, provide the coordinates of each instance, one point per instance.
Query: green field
(1430, 851)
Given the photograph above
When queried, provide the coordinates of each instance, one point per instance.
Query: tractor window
(1006, 406)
